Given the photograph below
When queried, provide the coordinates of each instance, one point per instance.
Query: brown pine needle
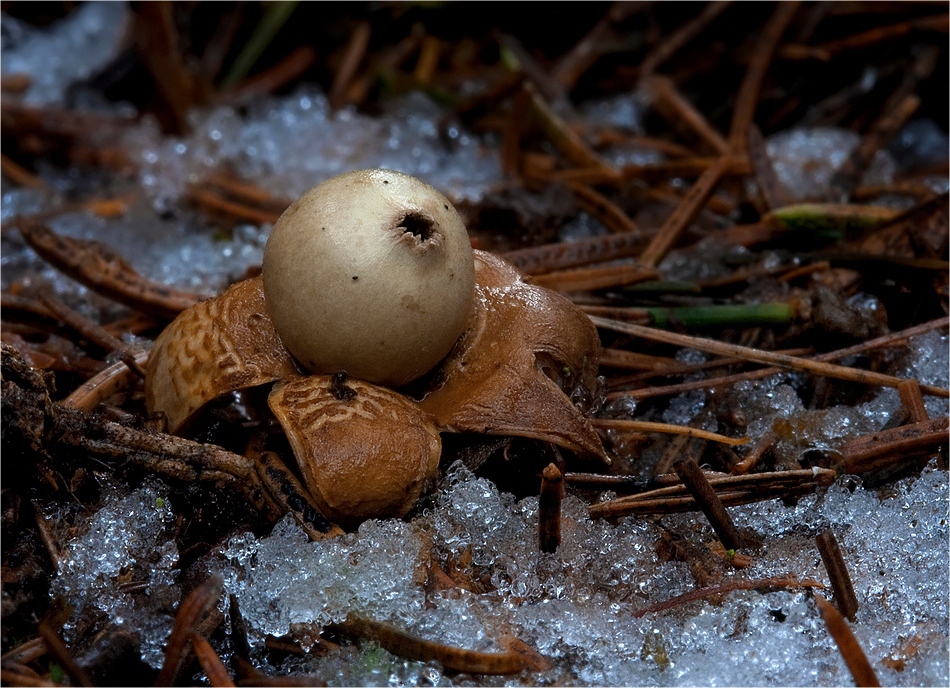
(190, 612)
(711, 346)
(214, 669)
(649, 426)
(103, 385)
(744, 114)
(406, 645)
(684, 213)
(775, 583)
(733, 490)
(847, 643)
(589, 279)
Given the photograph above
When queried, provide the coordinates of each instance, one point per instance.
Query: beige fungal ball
(372, 273)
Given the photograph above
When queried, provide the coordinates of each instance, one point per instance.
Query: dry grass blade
(212, 203)
(565, 139)
(156, 37)
(681, 114)
(25, 652)
(770, 190)
(352, 56)
(19, 175)
(885, 127)
(602, 208)
(16, 675)
(847, 643)
(588, 49)
(93, 332)
(816, 367)
(671, 44)
(892, 339)
(938, 22)
(590, 279)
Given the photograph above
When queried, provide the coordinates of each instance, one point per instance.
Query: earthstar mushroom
(370, 272)
(365, 450)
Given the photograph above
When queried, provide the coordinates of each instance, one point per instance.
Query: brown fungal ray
(498, 378)
(365, 451)
(215, 347)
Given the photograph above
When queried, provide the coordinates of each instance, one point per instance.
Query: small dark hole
(339, 389)
(419, 225)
